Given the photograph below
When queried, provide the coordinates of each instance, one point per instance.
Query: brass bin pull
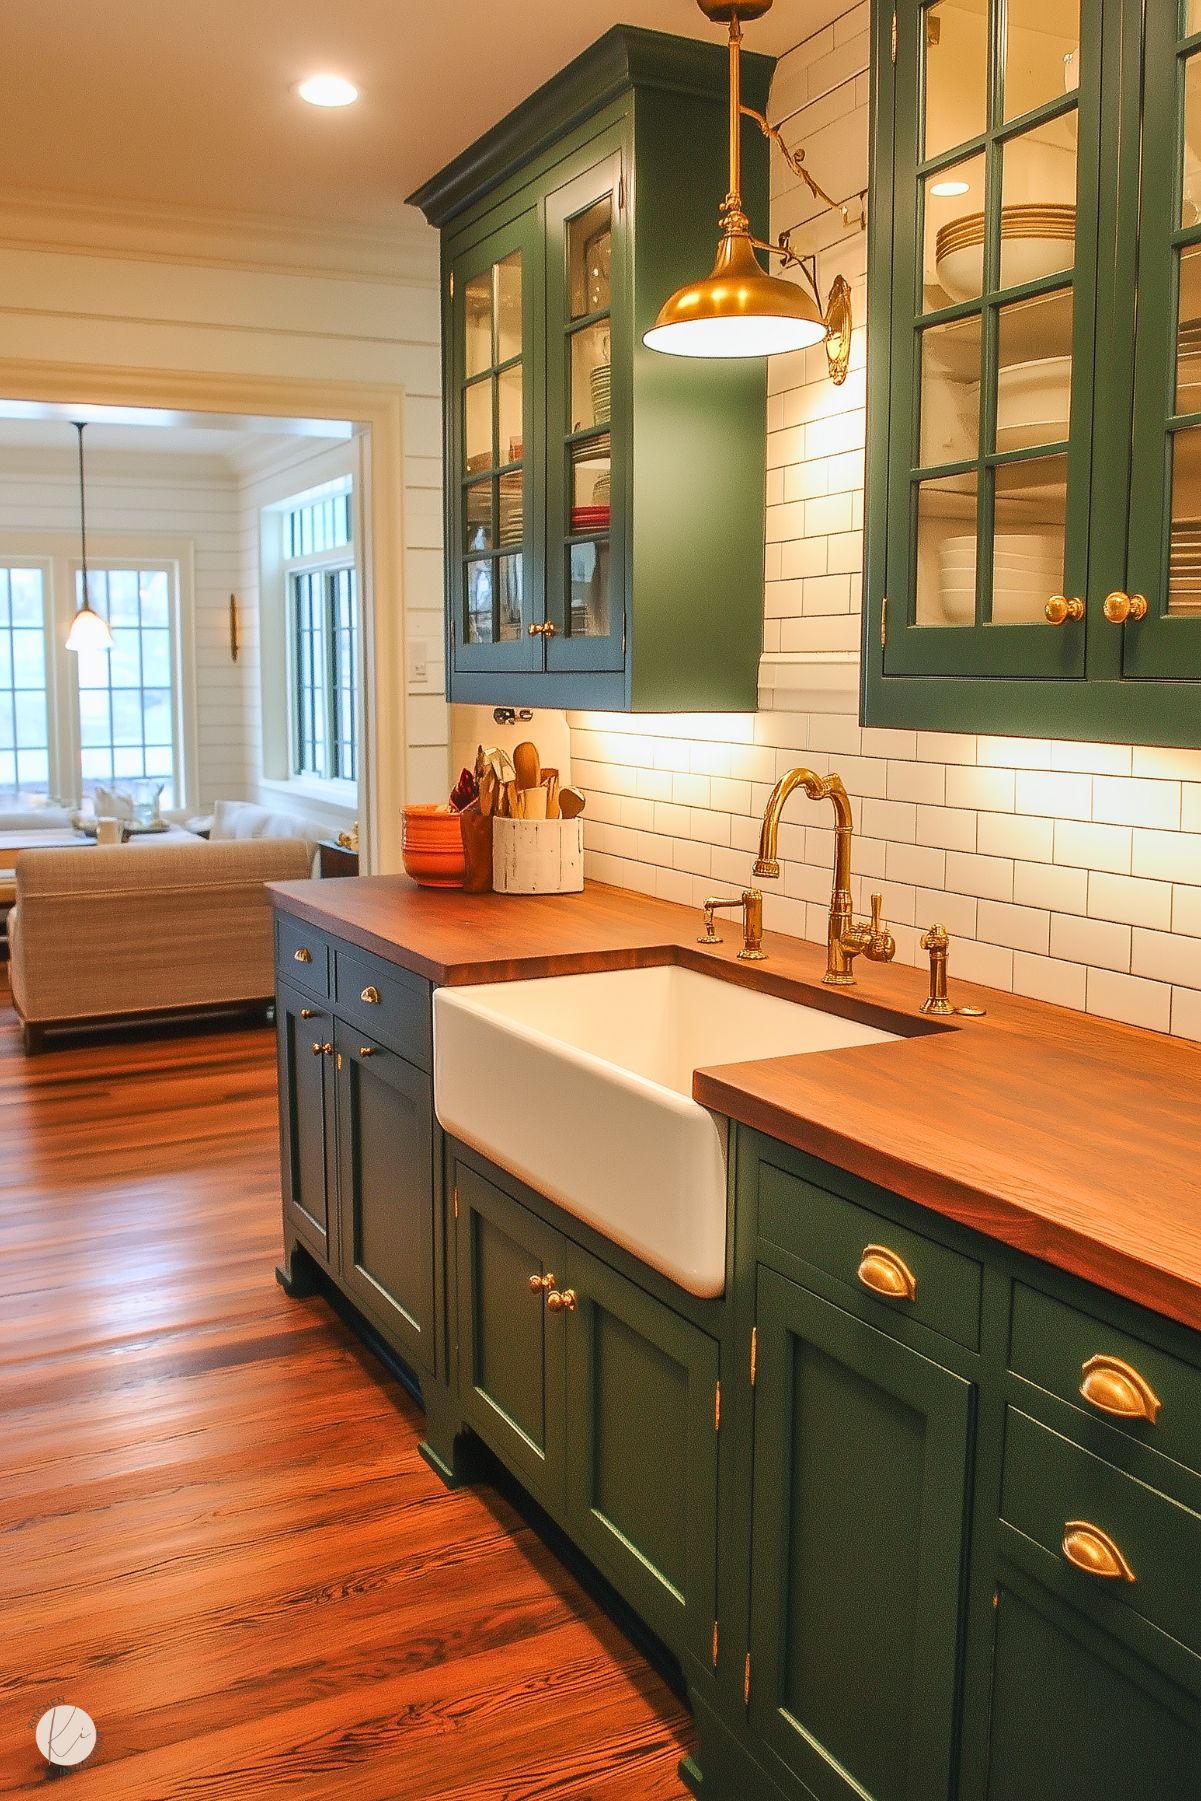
(370, 995)
(885, 1273)
(1060, 608)
(1094, 1552)
(1116, 1387)
(562, 1303)
(540, 1284)
(303, 955)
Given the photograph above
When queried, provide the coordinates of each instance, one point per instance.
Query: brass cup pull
(370, 995)
(1116, 1387)
(562, 1303)
(540, 1284)
(543, 631)
(1094, 1552)
(1120, 607)
(306, 1013)
(885, 1273)
(1059, 609)
(303, 955)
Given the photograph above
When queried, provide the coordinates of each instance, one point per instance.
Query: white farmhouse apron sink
(581, 1086)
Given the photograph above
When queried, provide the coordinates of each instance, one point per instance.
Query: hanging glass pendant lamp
(89, 630)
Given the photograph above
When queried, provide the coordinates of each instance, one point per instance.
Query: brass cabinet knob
(1116, 1387)
(543, 631)
(562, 1303)
(1094, 1552)
(1120, 607)
(327, 1050)
(540, 1284)
(1059, 609)
(886, 1274)
(303, 955)
(370, 995)
(317, 1048)
(306, 1013)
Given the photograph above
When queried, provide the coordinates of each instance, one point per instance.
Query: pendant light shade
(89, 630)
(738, 310)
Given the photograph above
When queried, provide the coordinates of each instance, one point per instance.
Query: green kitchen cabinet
(604, 504)
(1073, 1717)
(861, 1458)
(386, 1191)
(360, 1149)
(1033, 555)
(601, 1399)
(308, 1126)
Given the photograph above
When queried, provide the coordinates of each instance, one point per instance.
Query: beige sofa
(109, 932)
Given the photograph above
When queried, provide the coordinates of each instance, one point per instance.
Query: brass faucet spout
(840, 952)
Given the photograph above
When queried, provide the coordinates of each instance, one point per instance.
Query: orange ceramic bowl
(433, 847)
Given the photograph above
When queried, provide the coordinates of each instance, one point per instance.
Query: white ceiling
(27, 426)
(141, 101)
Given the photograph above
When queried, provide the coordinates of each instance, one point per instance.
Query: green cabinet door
(1075, 1717)
(641, 1475)
(386, 1191)
(492, 328)
(304, 1040)
(861, 1451)
(510, 1343)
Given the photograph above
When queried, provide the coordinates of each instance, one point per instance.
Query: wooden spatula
(526, 765)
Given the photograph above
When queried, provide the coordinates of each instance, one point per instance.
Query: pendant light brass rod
(734, 197)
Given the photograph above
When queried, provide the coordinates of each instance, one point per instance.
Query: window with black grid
(127, 694)
(24, 714)
(325, 735)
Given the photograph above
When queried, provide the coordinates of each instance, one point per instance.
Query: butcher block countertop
(1067, 1137)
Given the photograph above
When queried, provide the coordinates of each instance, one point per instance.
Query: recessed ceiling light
(328, 90)
(945, 189)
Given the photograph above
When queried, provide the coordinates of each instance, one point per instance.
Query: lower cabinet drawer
(302, 954)
(906, 1273)
(1144, 1392)
(386, 1002)
(1129, 1546)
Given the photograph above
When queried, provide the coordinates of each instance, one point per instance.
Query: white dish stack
(1027, 571)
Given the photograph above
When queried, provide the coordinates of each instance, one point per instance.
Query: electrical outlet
(419, 653)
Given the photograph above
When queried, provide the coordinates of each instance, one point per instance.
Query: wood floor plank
(218, 1534)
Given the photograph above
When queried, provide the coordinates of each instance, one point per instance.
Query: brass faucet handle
(883, 946)
(710, 907)
(936, 939)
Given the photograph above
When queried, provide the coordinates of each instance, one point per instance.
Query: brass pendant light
(739, 309)
(89, 631)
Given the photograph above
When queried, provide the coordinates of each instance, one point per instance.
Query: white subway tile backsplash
(1069, 872)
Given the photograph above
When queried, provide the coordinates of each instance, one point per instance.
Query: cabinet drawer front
(302, 954)
(1049, 1482)
(843, 1239)
(386, 1002)
(1062, 1349)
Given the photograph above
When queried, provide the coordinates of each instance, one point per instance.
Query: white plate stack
(1185, 587)
(1027, 571)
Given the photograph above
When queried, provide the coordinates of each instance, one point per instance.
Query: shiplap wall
(155, 496)
(1070, 872)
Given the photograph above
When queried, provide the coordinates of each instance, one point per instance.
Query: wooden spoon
(571, 803)
(487, 792)
(526, 765)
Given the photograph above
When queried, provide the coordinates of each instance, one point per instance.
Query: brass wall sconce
(234, 641)
(740, 309)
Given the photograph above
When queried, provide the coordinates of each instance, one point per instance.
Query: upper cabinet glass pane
(1038, 203)
(589, 259)
(1188, 342)
(477, 426)
(1192, 16)
(477, 323)
(1190, 209)
(953, 244)
(508, 308)
(1042, 53)
(1034, 373)
(956, 60)
(950, 397)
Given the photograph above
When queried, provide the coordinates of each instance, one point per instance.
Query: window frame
(328, 565)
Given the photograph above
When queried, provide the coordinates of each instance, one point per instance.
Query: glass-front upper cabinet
(495, 573)
(587, 312)
(1034, 490)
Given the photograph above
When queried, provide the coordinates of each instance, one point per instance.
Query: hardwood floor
(216, 1533)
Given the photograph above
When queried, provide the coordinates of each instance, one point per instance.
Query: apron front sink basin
(582, 1087)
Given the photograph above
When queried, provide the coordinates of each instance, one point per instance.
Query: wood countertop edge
(1082, 1247)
